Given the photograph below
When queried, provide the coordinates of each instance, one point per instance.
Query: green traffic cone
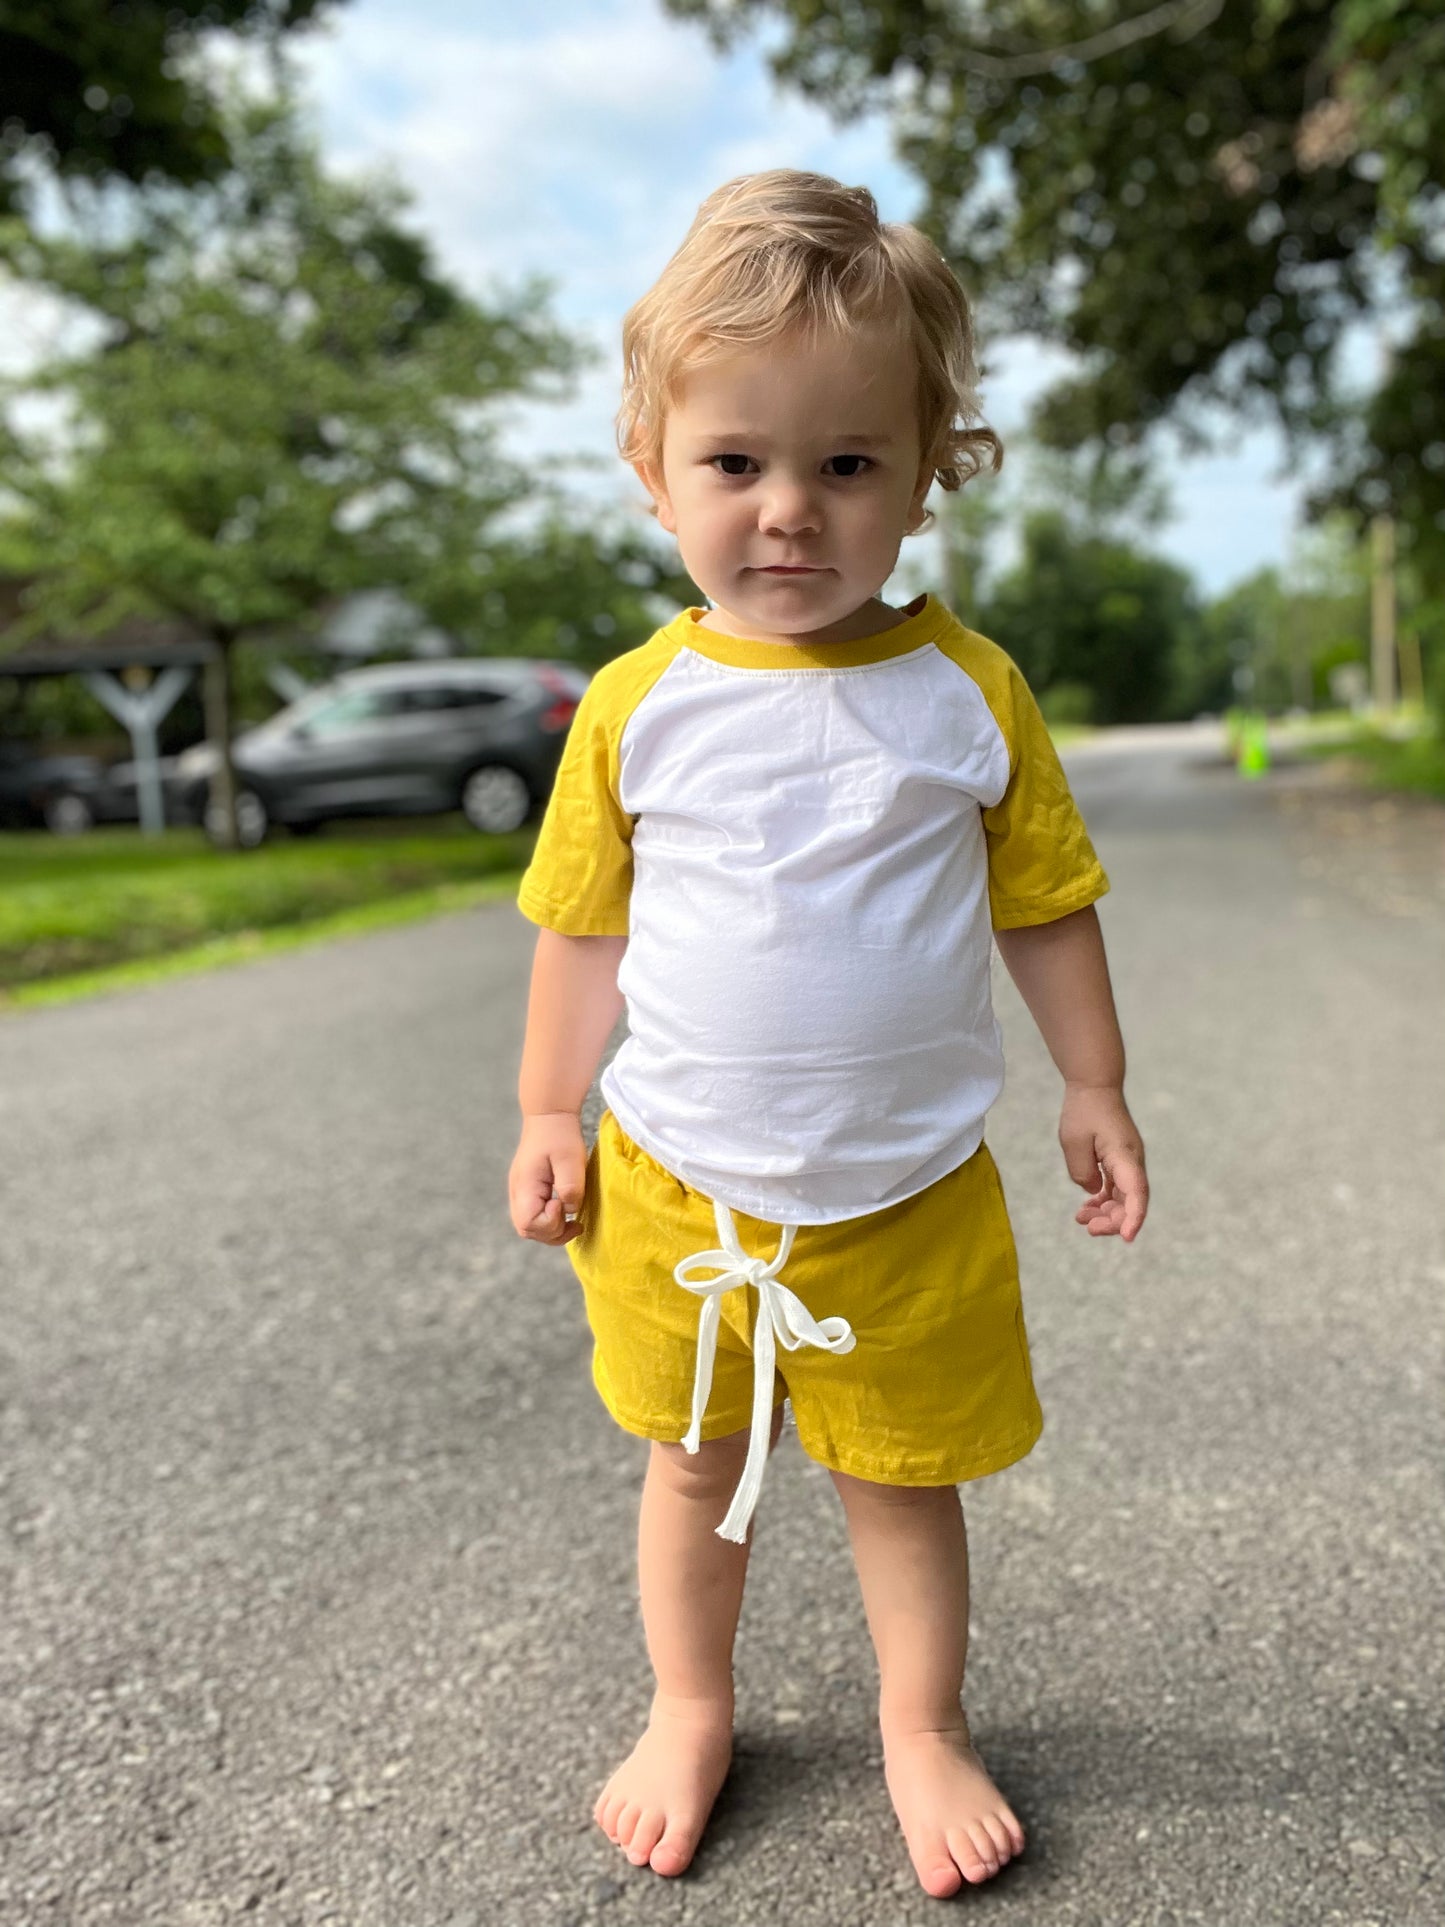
(1254, 748)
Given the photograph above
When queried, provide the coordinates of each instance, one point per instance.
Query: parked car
(480, 734)
(66, 793)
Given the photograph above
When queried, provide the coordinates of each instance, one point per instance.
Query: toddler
(785, 832)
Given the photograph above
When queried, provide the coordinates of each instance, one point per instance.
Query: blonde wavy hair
(773, 252)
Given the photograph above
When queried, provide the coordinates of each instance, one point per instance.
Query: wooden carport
(137, 670)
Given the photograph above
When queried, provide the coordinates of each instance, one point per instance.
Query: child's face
(800, 455)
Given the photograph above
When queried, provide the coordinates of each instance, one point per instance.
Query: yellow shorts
(938, 1388)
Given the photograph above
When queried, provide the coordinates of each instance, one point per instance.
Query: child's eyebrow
(758, 435)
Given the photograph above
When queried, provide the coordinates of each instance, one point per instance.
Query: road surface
(318, 1600)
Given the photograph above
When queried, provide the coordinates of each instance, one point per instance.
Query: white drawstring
(783, 1319)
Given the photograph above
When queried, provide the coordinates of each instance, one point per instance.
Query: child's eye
(858, 464)
(732, 464)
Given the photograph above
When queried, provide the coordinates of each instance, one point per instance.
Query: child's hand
(551, 1159)
(1105, 1154)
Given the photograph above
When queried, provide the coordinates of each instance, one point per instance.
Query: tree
(1194, 197)
(287, 403)
(968, 519)
(94, 90)
(1095, 615)
(569, 592)
(1249, 648)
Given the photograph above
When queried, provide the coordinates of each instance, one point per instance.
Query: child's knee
(714, 1468)
(710, 1472)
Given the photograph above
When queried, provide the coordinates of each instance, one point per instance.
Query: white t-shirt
(808, 848)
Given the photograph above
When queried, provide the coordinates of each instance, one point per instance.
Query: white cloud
(581, 150)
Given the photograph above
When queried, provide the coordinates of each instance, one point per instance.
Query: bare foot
(957, 1824)
(656, 1804)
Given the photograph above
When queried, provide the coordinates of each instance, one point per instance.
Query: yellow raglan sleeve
(1041, 864)
(579, 881)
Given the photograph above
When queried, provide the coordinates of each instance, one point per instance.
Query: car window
(425, 701)
(476, 695)
(428, 698)
(355, 708)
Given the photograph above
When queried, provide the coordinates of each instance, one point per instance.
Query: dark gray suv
(480, 734)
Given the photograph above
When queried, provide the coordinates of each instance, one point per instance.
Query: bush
(1067, 704)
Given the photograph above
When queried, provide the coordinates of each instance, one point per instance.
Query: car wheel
(496, 799)
(252, 821)
(68, 814)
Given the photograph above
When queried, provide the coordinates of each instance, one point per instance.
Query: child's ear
(651, 480)
(916, 510)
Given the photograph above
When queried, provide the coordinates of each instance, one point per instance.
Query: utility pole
(1382, 581)
(1382, 612)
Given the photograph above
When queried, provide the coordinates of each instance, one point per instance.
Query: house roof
(355, 627)
(152, 641)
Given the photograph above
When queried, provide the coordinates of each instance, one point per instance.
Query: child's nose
(789, 507)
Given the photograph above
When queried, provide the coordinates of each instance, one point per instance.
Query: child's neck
(871, 618)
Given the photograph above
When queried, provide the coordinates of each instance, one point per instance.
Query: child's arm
(1062, 976)
(573, 1006)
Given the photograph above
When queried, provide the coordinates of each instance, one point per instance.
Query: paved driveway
(318, 1587)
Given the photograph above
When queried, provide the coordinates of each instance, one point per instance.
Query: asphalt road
(317, 1598)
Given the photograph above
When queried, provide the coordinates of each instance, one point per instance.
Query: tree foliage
(281, 402)
(1196, 198)
(95, 90)
(1089, 612)
(286, 402)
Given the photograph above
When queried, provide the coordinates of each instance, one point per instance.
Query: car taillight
(559, 715)
(561, 712)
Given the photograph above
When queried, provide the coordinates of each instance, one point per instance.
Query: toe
(673, 1852)
(987, 1851)
(627, 1823)
(605, 1814)
(999, 1834)
(937, 1875)
(1004, 1815)
(942, 1880)
(647, 1833)
(966, 1855)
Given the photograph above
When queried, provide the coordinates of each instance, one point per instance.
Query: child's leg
(911, 1552)
(691, 1582)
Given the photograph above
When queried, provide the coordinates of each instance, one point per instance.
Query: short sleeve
(579, 881)
(1041, 864)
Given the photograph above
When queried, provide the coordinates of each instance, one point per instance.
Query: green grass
(76, 911)
(1413, 763)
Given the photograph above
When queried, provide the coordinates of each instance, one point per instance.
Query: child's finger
(548, 1226)
(1093, 1204)
(1102, 1215)
(529, 1205)
(569, 1173)
(1132, 1187)
(554, 1223)
(547, 1191)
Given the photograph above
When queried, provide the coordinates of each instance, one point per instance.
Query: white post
(140, 713)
